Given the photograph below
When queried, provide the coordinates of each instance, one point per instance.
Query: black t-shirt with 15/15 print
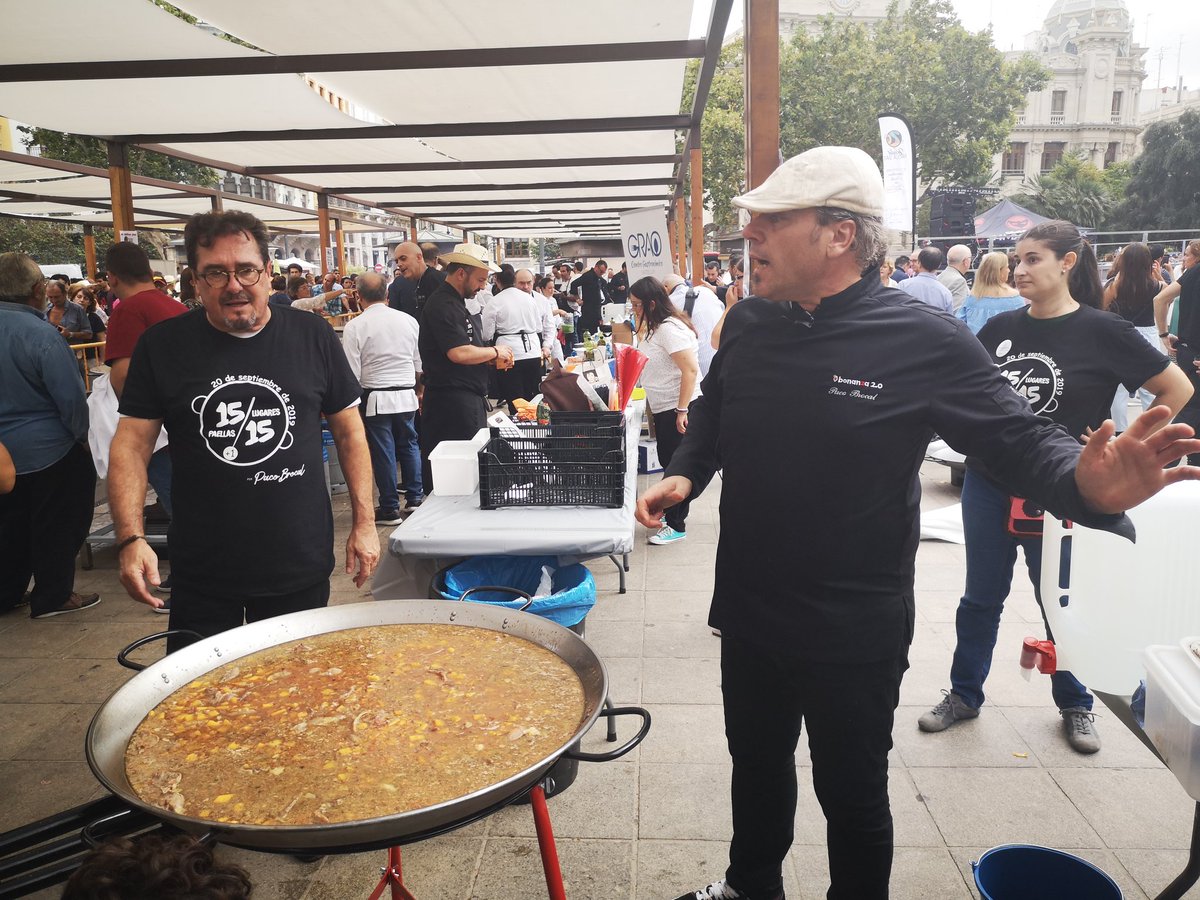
(251, 512)
(1069, 367)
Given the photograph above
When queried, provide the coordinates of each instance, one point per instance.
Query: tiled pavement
(657, 822)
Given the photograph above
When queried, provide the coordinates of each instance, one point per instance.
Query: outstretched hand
(1116, 475)
(660, 497)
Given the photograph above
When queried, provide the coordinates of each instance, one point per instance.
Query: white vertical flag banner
(899, 172)
(647, 249)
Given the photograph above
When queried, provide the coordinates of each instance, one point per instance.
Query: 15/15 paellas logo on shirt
(1035, 376)
(245, 419)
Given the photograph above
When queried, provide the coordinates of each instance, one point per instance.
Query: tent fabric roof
(1006, 219)
(571, 101)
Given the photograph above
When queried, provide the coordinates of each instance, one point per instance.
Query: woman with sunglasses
(671, 380)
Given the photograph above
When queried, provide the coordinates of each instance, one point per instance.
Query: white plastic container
(455, 466)
(1117, 598)
(1173, 712)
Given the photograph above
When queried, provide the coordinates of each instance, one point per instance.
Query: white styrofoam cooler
(455, 465)
(1116, 598)
(1173, 711)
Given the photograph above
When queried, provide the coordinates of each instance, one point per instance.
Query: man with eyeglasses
(241, 387)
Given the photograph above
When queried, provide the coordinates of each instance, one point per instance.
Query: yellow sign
(6, 142)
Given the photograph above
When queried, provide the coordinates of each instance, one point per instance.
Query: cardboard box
(622, 333)
(648, 462)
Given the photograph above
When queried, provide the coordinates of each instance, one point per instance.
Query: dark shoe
(1078, 724)
(165, 609)
(952, 709)
(387, 517)
(720, 890)
(74, 603)
(413, 504)
(155, 514)
(24, 601)
(164, 586)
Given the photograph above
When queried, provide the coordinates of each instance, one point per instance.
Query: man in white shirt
(958, 261)
(513, 319)
(381, 345)
(706, 312)
(551, 349)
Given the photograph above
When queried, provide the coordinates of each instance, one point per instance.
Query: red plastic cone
(630, 363)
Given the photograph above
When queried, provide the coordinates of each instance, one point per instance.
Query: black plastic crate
(590, 417)
(562, 464)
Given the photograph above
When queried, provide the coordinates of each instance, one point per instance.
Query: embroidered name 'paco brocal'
(859, 388)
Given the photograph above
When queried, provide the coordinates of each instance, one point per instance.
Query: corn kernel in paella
(224, 798)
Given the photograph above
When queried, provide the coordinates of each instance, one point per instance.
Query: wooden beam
(468, 165)
(762, 90)
(89, 251)
(377, 61)
(671, 241)
(414, 233)
(680, 236)
(218, 205)
(341, 246)
(323, 230)
(120, 187)
(422, 130)
(697, 214)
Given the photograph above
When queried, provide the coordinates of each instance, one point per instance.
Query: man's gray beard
(242, 324)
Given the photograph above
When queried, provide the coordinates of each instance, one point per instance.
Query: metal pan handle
(618, 752)
(123, 656)
(503, 589)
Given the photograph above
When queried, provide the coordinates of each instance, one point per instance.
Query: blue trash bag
(574, 588)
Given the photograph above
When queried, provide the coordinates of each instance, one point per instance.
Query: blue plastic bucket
(1026, 872)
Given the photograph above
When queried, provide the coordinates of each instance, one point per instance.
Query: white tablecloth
(455, 527)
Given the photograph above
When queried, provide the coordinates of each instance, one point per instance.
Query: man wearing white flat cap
(454, 356)
(822, 398)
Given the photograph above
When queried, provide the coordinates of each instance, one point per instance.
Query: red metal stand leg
(392, 877)
(545, 836)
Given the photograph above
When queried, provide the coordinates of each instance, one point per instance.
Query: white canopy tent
(489, 123)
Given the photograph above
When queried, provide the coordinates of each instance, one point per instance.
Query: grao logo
(893, 139)
(646, 243)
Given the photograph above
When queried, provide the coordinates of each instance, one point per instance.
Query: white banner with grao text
(647, 249)
(899, 172)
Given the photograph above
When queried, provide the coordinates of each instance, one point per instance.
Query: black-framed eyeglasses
(247, 276)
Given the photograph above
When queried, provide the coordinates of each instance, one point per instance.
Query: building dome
(1067, 18)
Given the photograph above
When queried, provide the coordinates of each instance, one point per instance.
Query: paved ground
(657, 822)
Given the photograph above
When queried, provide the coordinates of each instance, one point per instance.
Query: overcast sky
(1159, 25)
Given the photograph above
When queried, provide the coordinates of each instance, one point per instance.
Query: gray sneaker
(1080, 728)
(950, 710)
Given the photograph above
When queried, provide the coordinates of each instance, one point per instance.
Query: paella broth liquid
(354, 725)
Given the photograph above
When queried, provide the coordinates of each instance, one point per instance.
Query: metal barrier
(89, 355)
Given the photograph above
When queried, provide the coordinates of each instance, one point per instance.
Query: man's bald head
(524, 280)
(959, 257)
(410, 261)
(372, 287)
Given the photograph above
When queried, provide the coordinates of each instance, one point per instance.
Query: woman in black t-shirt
(1130, 294)
(1066, 357)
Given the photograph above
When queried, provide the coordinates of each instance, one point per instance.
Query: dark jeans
(991, 555)
(44, 521)
(669, 439)
(848, 710)
(392, 438)
(448, 414)
(209, 614)
(158, 473)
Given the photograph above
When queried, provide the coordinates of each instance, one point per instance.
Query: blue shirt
(975, 311)
(926, 287)
(43, 410)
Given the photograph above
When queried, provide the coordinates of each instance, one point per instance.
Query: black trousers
(521, 381)
(44, 521)
(848, 709)
(668, 438)
(447, 414)
(209, 614)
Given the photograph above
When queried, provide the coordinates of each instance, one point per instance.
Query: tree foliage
(89, 151)
(52, 243)
(1164, 183)
(1078, 191)
(957, 91)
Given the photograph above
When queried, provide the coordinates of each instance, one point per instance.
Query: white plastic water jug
(1115, 598)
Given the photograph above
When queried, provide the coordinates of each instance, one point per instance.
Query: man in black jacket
(822, 399)
(593, 292)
